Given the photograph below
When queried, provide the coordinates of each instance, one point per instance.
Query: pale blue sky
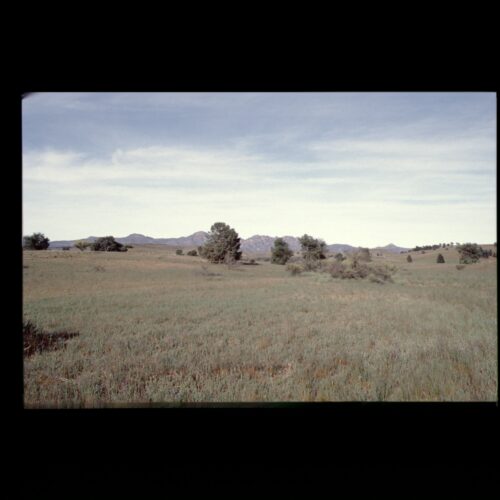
(359, 168)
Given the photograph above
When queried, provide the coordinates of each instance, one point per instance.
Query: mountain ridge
(255, 244)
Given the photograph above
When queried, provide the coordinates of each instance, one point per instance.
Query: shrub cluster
(470, 253)
(312, 248)
(37, 241)
(82, 245)
(294, 268)
(379, 273)
(107, 244)
(192, 253)
(281, 253)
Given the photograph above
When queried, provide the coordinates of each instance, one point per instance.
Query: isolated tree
(82, 245)
(312, 248)
(37, 241)
(280, 253)
(107, 244)
(409, 259)
(222, 245)
(440, 259)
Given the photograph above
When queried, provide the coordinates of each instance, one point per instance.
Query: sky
(365, 169)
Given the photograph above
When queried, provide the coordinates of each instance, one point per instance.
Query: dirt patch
(35, 340)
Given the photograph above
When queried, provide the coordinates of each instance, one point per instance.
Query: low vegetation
(107, 244)
(82, 245)
(158, 328)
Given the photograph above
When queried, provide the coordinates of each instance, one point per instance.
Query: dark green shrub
(107, 244)
(469, 253)
(192, 253)
(440, 259)
(339, 257)
(223, 244)
(312, 248)
(280, 253)
(65, 248)
(178, 252)
(409, 259)
(37, 241)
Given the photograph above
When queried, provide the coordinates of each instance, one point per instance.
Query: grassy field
(157, 327)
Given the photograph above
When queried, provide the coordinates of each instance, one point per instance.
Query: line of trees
(223, 246)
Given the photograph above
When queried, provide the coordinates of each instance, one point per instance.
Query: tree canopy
(280, 253)
(223, 244)
(312, 248)
(37, 241)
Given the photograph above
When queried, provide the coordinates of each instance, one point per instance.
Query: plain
(159, 327)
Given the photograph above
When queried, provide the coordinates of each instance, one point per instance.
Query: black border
(344, 434)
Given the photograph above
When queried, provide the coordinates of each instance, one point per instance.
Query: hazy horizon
(365, 169)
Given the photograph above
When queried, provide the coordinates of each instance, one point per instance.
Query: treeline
(223, 246)
(38, 241)
(431, 247)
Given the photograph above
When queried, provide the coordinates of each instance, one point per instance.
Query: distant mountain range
(254, 244)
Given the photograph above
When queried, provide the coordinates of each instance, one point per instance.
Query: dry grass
(157, 327)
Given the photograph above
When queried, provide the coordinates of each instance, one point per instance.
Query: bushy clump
(192, 253)
(107, 244)
(281, 253)
(312, 248)
(37, 241)
(460, 266)
(36, 340)
(409, 259)
(379, 273)
(340, 257)
(129, 246)
(179, 252)
(65, 248)
(311, 264)
(82, 245)
(294, 268)
(470, 253)
(363, 254)
(440, 259)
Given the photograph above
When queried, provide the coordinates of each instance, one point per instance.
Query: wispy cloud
(275, 164)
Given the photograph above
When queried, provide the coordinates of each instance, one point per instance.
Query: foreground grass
(156, 327)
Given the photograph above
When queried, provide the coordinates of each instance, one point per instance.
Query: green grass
(157, 327)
